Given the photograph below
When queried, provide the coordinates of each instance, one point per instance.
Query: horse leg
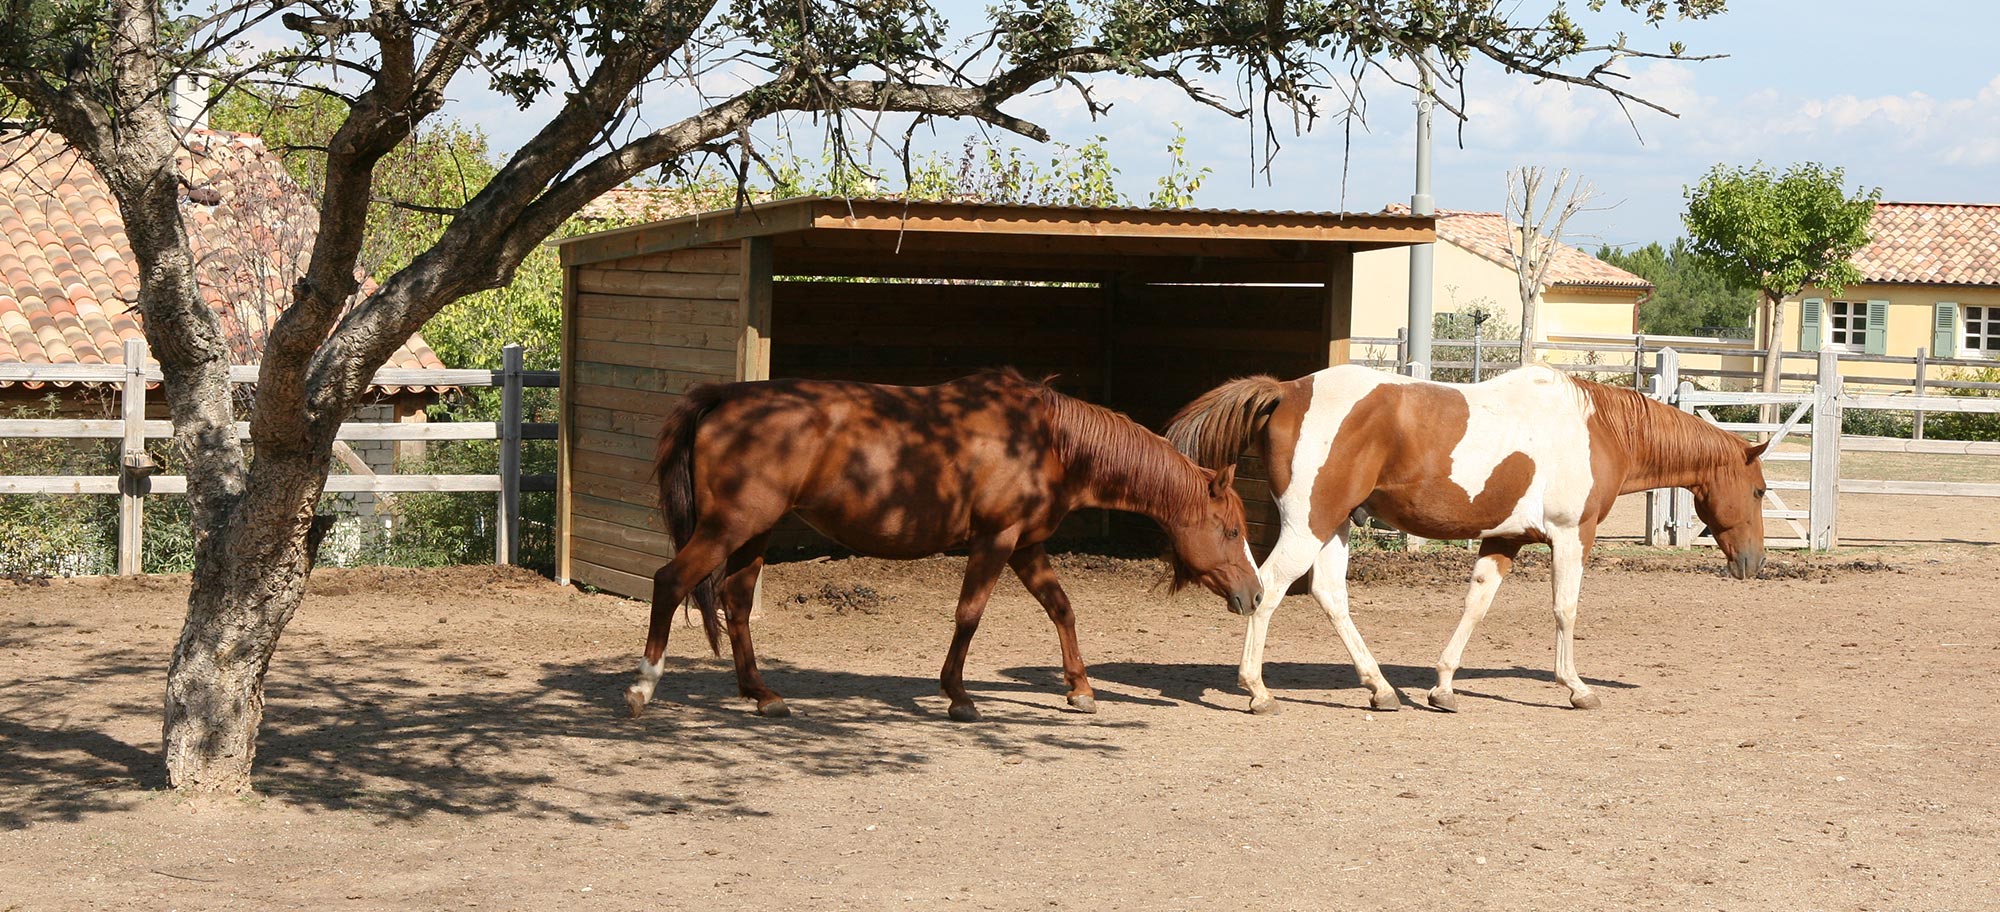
(1329, 588)
(1288, 561)
(1031, 564)
(1496, 557)
(671, 585)
(1569, 547)
(739, 598)
(982, 571)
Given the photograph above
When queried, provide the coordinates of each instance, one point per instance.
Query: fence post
(1680, 503)
(507, 533)
(1666, 379)
(1402, 350)
(1917, 426)
(1638, 362)
(1825, 465)
(133, 466)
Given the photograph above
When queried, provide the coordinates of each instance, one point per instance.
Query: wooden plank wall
(1171, 343)
(919, 334)
(642, 331)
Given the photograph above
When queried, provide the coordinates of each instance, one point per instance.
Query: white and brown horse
(1530, 456)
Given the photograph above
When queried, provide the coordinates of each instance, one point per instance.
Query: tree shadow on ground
(400, 733)
(1197, 683)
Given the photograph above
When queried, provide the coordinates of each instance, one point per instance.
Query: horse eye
(1230, 534)
(1759, 494)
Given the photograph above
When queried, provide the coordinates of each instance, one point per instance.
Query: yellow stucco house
(1582, 297)
(1930, 280)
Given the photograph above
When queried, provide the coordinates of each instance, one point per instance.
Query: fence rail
(1643, 352)
(134, 481)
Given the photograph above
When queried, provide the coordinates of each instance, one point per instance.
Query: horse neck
(1110, 461)
(1664, 446)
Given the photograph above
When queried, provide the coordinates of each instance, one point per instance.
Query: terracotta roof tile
(1933, 243)
(1485, 234)
(68, 288)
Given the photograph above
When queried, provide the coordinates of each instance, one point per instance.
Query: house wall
(1464, 280)
(1912, 311)
(639, 332)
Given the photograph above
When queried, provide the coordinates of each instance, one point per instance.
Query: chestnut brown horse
(1530, 456)
(990, 463)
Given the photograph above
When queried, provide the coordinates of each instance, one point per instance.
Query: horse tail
(674, 469)
(1216, 428)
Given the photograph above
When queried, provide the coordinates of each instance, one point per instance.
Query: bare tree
(98, 74)
(1535, 225)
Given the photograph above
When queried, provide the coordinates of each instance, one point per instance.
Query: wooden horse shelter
(1137, 309)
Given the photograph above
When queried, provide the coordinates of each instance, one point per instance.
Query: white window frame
(1846, 311)
(1972, 345)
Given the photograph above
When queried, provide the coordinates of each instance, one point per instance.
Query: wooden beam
(753, 282)
(1337, 326)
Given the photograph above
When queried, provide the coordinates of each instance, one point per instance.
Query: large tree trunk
(241, 601)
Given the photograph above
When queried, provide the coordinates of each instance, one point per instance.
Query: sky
(1905, 97)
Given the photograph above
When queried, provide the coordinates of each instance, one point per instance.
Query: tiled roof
(635, 205)
(1486, 234)
(1933, 243)
(68, 280)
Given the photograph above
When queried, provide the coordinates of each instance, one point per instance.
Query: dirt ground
(1825, 738)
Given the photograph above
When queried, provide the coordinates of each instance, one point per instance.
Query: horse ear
(1750, 454)
(1222, 481)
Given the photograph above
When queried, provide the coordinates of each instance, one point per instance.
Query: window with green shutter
(1944, 335)
(1809, 323)
(1876, 342)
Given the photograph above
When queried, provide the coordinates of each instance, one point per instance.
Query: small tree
(1778, 234)
(1535, 223)
(1690, 295)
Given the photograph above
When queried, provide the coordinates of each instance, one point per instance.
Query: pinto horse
(990, 463)
(1530, 456)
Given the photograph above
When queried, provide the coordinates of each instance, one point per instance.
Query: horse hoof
(1444, 700)
(776, 709)
(1585, 701)
(635, 702)
(964, 712)
(1263, 706)
(1386, 701)
(1083, 702)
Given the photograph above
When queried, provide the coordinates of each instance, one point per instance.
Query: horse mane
(1138, 468)
(1659, 438)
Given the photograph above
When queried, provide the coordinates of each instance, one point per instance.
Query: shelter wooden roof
(893, 237)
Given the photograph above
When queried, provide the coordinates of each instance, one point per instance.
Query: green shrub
(1965, 425)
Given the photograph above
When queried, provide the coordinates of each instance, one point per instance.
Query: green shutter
(1878, 328)
(1944, 339)
(1809, 310)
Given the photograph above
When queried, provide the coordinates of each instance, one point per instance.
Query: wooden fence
(1670, 514)
(135, 481)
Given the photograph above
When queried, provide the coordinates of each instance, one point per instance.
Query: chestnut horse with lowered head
(990, 463)
(1530, 456)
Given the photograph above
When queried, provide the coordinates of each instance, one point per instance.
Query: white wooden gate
(1670, 518)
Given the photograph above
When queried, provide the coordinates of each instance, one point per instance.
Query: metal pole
(1422, 256)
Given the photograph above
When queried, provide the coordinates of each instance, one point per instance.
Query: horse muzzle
(1245, 602)
(1746, 566)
